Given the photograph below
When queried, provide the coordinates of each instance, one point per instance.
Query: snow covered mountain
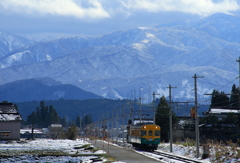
(136, 62)
(10, 42)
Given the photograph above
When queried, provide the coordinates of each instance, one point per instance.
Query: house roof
(8, 112)
(10, 117)
(6, 107)
(222, 111)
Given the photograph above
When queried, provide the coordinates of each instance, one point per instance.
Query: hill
(42, 89)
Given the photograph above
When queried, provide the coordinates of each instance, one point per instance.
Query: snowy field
(48, 150)
(65, 151)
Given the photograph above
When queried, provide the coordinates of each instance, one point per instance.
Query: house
(221, 114)
(10, 122)
(224, 130)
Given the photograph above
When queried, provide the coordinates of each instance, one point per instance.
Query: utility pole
(117, 124)
(107, 125)
(123, 123)
(140, 100)
(196, 119)
(112, 124)
(131, 111)
(80, 125)
(238, 60)
(239, 79)
(170, 116)
(154, 107)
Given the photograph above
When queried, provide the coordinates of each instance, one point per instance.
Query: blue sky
(97, 17)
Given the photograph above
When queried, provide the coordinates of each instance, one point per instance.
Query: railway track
(174, 157)
(166, 157)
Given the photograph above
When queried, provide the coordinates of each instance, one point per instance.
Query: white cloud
(200, 7)
(94, 8)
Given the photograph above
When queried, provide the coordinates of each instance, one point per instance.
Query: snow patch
(139, 46)
(49, 58)
(15, 57)
(143, 28)
(145, 41)
(163, 91)
(150, 35)
(117, 95)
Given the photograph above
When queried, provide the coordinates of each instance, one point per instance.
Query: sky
(98, 17)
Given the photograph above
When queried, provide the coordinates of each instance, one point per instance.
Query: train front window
(143, 132)
(150, 133)
(157, 132)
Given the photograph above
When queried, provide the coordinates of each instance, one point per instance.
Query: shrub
(72, 133)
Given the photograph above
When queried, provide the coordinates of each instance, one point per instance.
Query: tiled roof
(10, 117)
(7, 108)
(8, 112)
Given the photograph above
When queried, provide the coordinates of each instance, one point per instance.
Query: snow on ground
(20, 151)
(30, 151)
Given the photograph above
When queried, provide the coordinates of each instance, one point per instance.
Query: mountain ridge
(111, 65)
(42, 89)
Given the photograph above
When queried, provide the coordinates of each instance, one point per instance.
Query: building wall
(10, 130)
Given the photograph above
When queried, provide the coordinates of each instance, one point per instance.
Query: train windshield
(143, 132)
(157, 132)
(150, 133)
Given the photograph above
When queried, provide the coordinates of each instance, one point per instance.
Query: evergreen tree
(53, 116)
(38, 117)
(87, 119)
(31, 119)
(44, 116)
(219, 100)
(234, 99)
(162, 118)
(77, 121)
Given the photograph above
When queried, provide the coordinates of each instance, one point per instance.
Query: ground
(80, 150)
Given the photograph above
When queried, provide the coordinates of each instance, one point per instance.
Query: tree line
(44, 116)
(222, 100)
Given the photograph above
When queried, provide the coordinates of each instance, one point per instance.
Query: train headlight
(150, 139)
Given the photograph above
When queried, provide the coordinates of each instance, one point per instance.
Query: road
(123, 154)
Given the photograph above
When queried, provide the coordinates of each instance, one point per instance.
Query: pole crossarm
(220, 94)
(183, 102)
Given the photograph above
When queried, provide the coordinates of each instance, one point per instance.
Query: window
(150, 133)
(5, 134)
(157, 132)
(143, 132)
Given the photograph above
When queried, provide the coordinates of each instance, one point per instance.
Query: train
(144, 136)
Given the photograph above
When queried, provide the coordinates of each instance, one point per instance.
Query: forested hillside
(71, 109)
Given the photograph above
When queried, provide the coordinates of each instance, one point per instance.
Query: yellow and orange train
(144, 136)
